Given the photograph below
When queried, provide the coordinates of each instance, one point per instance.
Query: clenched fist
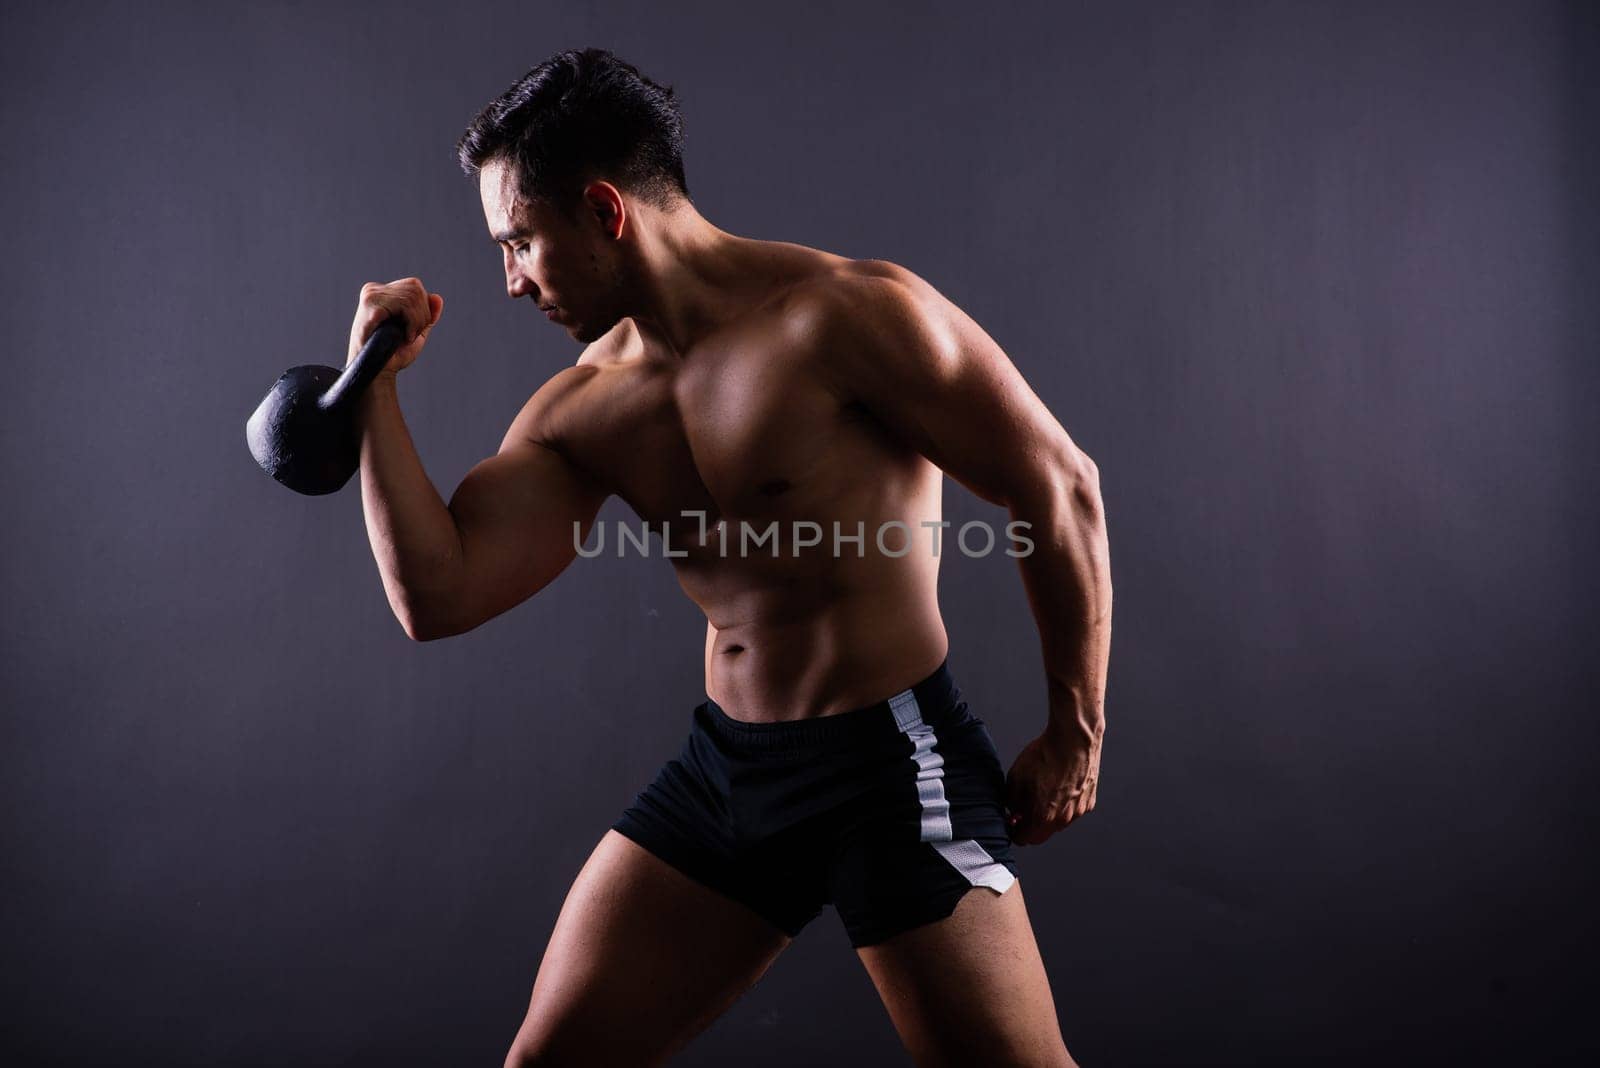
(1053, 781)
(406, 299)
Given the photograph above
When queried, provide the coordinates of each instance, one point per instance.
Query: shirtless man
(730, 382)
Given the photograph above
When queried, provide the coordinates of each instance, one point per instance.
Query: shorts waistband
(930, 699)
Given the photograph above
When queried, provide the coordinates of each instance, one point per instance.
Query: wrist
(381, 391)
(384, 382)
(1074, 712)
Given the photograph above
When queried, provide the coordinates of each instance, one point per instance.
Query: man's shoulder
(544, 414)
(873, 316)
(858, 278)
(592, 375)
(857, 297)
(587, 393)
(611, 347)
(575, 396)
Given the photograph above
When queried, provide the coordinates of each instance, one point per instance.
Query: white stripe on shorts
(975, 864)
(930, 767)
(964, 854)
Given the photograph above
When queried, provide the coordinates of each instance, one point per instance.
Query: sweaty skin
(730, 383)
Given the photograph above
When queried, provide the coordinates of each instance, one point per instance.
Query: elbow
(431, 629)
(420, 632)
(1066, 488)
(421, 626)
(1084, 489)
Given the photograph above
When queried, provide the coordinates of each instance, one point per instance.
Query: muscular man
(733, 388)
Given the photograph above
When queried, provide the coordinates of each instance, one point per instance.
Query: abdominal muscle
(814, 645)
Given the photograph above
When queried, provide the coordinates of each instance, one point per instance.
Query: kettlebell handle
(381, 344)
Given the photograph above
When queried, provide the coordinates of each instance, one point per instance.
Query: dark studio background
(1313, 285)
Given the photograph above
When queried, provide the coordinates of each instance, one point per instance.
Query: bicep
(516, 512)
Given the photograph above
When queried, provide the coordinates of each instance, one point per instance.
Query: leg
(970, 988)
(641, 960)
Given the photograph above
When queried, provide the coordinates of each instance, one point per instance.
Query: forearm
(1068, 581)
(414, 537)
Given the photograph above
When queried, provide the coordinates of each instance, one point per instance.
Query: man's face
(570, 266)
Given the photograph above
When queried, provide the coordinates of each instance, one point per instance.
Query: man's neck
(690, 276)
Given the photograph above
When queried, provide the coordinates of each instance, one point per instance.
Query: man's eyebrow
(507, 235)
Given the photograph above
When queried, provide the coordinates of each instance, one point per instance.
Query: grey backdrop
(1313, 284)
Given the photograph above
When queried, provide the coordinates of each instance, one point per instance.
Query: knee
(1040, 1053)
(520, 1057)
(525, 1054)
(1058, 1057)
(546, 1053)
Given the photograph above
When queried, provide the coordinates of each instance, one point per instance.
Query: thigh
(641, 960)
(970, 988)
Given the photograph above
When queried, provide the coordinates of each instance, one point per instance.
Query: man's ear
(605, 202)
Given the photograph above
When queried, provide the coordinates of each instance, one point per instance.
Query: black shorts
(890, 812)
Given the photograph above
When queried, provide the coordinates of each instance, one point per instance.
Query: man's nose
(516, 284)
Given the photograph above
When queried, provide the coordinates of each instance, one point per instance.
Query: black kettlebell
(305, 433)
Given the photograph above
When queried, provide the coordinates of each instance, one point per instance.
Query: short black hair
(582, 114)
